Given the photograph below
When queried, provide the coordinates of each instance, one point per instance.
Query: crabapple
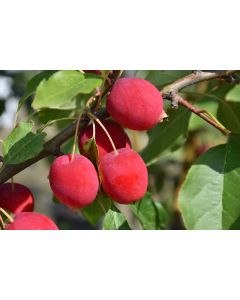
(74, 182)
(118, 135)
(16, 198)
(124, 176)
(135, 103)
(31, 221)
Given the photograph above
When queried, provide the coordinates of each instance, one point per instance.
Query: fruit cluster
(19, 200)
(75, 180)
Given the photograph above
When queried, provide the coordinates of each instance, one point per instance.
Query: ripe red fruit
(17, 199)
(92, 71)
(135, 103)
(74, 183)
(118, 135)
(124, 176)
(31, 221)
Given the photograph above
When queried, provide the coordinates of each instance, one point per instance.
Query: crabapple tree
(185, 175)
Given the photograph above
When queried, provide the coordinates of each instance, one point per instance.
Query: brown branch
(195, 77)
(199, 112)
(110, 80)
(52, 147)
(171, 92)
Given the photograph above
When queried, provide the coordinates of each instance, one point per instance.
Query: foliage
(22, 144)
(194, 170)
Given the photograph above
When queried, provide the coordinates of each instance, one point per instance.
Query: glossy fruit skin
(118, 135)
(135, 103)
(18, 200)
(31, 221)
(124, 176)
(74, 183)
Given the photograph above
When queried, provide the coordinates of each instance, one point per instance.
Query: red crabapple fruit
(74, 182)
(124, 176)
(31, 221)
(135, 103)
(16, 198)
(104, 146)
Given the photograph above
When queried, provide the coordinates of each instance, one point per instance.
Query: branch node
(57, 152)
(174, 98)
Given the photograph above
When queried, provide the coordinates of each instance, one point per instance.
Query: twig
(171, 92)
(99, 97)
(195, 77)
(112, 79)
(201, 113)
(50, 148)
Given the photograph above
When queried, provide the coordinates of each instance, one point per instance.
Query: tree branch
(195, 77)
(171, 92)
(52, 147)
(201, 113)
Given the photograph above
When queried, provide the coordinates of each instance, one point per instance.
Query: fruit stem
(1, 222)
(75, 137)
(119, 74)
(6, 214)
(12, 184)
(105, 130)
(94, 131)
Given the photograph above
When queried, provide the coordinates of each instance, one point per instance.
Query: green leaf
(229, 115)
(161, 78)
(236, 225)
(33, 84)
(62, 87)
(48, 114)
(209, 197)
(22, 144)
(95, 211)
(114, 219)
(234, 94)
(91, 151)
(169, 135)
(151, 214)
